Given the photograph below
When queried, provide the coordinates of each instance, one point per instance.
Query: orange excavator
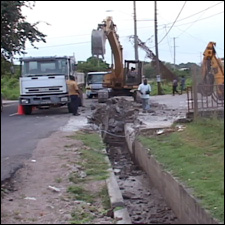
(213, 73)
(118, 80)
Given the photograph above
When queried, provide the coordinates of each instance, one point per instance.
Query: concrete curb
(6, 102)
(177, 196)
(116, 199)
(122, 216)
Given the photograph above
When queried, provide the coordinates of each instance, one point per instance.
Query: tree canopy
(15, 30)
(93, 64)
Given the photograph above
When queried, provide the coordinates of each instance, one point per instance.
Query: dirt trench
(144, 203)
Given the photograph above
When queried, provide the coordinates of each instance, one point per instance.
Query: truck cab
(94, 83)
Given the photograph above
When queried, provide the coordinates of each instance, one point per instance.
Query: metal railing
(206, 97)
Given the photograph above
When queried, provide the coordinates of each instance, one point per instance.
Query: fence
(205, 98)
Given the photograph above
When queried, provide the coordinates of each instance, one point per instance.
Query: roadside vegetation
(166, 86)
(95, 171)
(196, 157)
(10, 88)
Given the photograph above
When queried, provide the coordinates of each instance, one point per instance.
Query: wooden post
(195, 94)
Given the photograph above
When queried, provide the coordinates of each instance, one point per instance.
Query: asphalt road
(20, 134)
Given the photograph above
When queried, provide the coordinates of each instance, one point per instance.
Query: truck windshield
(44, 67)
(95, 78)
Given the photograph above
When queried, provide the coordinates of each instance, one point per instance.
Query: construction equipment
(212, 73)
(165, 72)
(118, 79)
(94, 82)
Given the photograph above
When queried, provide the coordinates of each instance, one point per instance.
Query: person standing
(74, 95)
(175, 84)
(145, 90)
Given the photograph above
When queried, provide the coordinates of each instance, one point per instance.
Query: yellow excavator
(119, 79)
(213, 73)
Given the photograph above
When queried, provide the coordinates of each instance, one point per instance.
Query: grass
(10, 88)
(81, 194)
(84, 214)
(93, 157)
(96, 168)
(81, 217)
(196, 157)
(90, 139)
(103, 194)
(166, 86)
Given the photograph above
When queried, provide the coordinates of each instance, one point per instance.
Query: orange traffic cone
(20, 110)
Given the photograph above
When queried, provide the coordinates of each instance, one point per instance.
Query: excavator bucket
(98, 40)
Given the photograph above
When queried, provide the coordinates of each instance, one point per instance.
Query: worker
(175, 84)
(74, 95)
(132, 75)
(133, 72)
(145, 90)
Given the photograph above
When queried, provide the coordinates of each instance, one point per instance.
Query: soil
(37, 194)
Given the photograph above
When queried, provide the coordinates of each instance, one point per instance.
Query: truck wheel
(27, 109)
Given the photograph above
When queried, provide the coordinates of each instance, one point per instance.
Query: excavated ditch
(144, 203)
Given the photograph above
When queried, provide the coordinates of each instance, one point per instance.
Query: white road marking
(13, 114)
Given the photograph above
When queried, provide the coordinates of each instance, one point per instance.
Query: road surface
(20, 134)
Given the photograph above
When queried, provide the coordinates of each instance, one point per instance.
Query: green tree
(149, 71)
(5, 66)
(15, 30)
(92, 64)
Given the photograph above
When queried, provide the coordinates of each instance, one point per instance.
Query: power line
(132, 28)
(61, 45)
(181, 24)
(77, 43)
(200, 19)
(199, 12)
(173, 22)
(129, 35)
(184, 31)
(146, 20)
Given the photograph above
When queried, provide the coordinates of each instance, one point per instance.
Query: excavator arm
(109, 29)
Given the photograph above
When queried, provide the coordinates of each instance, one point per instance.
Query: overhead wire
(77, 43)
(195, 14)
(149, 26)
(173, 22)
(200, 12)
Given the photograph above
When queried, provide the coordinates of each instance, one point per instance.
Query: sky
(184, 28)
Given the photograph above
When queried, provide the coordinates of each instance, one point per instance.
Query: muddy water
(144, 203)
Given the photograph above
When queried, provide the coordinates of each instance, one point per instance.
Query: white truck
(94, 81)
(43, 81)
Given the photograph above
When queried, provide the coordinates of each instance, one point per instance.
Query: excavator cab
(132, 73)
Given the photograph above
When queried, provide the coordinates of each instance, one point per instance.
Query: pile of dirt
(112, 116)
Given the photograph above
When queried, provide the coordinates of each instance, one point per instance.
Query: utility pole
(174, 59)
(157, 54)
(135, 34)
(200, 58)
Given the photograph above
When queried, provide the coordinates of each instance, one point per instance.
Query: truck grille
(44, 90)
